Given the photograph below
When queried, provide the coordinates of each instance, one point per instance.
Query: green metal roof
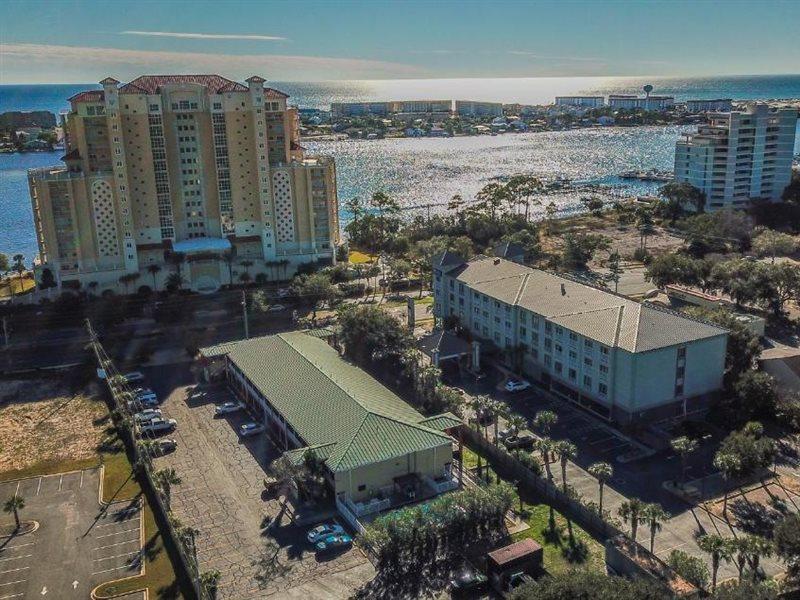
(443, 421)
(217, 349)
(330, 401)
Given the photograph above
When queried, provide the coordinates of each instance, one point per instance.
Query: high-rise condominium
(737, 157)
(196, 170)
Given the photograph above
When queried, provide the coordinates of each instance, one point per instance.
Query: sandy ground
(40, 421)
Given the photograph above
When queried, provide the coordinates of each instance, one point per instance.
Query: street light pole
(244, 311)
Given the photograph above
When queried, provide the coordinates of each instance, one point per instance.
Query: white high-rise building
(739, 156)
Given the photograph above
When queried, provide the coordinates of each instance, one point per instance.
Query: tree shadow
(755, 518)
(169, 592)
(268, 565)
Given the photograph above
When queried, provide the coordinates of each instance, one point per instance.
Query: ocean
(429, 170)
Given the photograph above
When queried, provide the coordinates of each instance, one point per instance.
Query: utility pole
(5, 332)
(244, 311)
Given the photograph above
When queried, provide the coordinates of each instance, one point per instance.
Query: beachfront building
(191, 167)
(648, 103)
(625, 361)
(472, 108)
(583, 101)
(716, 105)
(377, 451)
(737, 157)
(357, 109)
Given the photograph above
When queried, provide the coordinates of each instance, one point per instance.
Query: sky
(71, 41)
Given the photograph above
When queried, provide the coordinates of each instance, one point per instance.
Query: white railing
(348, 516)
(440, 487)
(368, 508)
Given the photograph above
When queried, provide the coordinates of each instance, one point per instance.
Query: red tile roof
(88, 96)
(150, 84)
(273, 93)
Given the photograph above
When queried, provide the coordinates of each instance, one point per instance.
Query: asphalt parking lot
(79, 543)
(222, 496)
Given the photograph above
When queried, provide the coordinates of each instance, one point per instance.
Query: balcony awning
(201, 244)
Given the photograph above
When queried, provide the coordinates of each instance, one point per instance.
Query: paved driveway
(221, 496)
(78, 545)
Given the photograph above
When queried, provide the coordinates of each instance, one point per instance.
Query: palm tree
(728, 465)
(545, 445)
(165, 479)
(134, 277)
(174, 281)
(566, 451)
(631, 512)
(176, 259)
(719, 549)
(602, 471)
(14, 505)
(683, 446)
(737, 550)
(480, 405)
(516, 423)
(154, 270)
(544, 420)
(646, 228)
(654, 515)
(229, 256)
(246, 264)
(756, 548)
(498, 409)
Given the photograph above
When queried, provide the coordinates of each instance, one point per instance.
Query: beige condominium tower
(197, 174)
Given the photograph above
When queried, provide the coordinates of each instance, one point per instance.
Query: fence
(142, 462)
(570, 507)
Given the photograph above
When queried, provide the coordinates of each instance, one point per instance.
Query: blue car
(323, 531)
(334, 542)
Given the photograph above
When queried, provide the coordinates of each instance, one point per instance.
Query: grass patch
(20, 286)
(563, 550)
(49, 467)
(561, 553)
(360, 258)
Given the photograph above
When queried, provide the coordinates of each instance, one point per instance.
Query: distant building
(195, 165)
(422, 107)
(357, 109)
(632, 102)
(719, 105)
(471, 108)
(584, 101)
(623, 360)
(739, 156)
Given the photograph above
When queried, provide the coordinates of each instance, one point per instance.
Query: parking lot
(78, 544)
(222, 496)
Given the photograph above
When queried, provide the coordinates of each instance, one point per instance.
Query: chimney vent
(563, 290)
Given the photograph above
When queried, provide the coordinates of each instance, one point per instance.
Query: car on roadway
(148, 414)
(133, 376)
(334, 542)
(146, 400)
(227, 408)
(325, 529)
(467, 581)
(276, 308)
(520, 440)
(284, 292)
(157, 426)
(516, 385)
(248, 429)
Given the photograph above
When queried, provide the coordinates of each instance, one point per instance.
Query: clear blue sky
(82, 41)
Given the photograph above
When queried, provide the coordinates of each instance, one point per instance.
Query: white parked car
(134, 376)
(147, 414)
(517, 385)
(276, 308)
(228, 407)
(158, 426)
(248, 429)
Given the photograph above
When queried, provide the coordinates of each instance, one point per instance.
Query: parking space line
(16, 492)
(111, 569)
(16, 557)
(117, 556)
(116, 533)
(81, 484)
(12, 596)
(602, 440)
(13, 582)
(126, 521)
(39, 486)
(13, 570)
(117, 544)
(60, 481)
(19, 546)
